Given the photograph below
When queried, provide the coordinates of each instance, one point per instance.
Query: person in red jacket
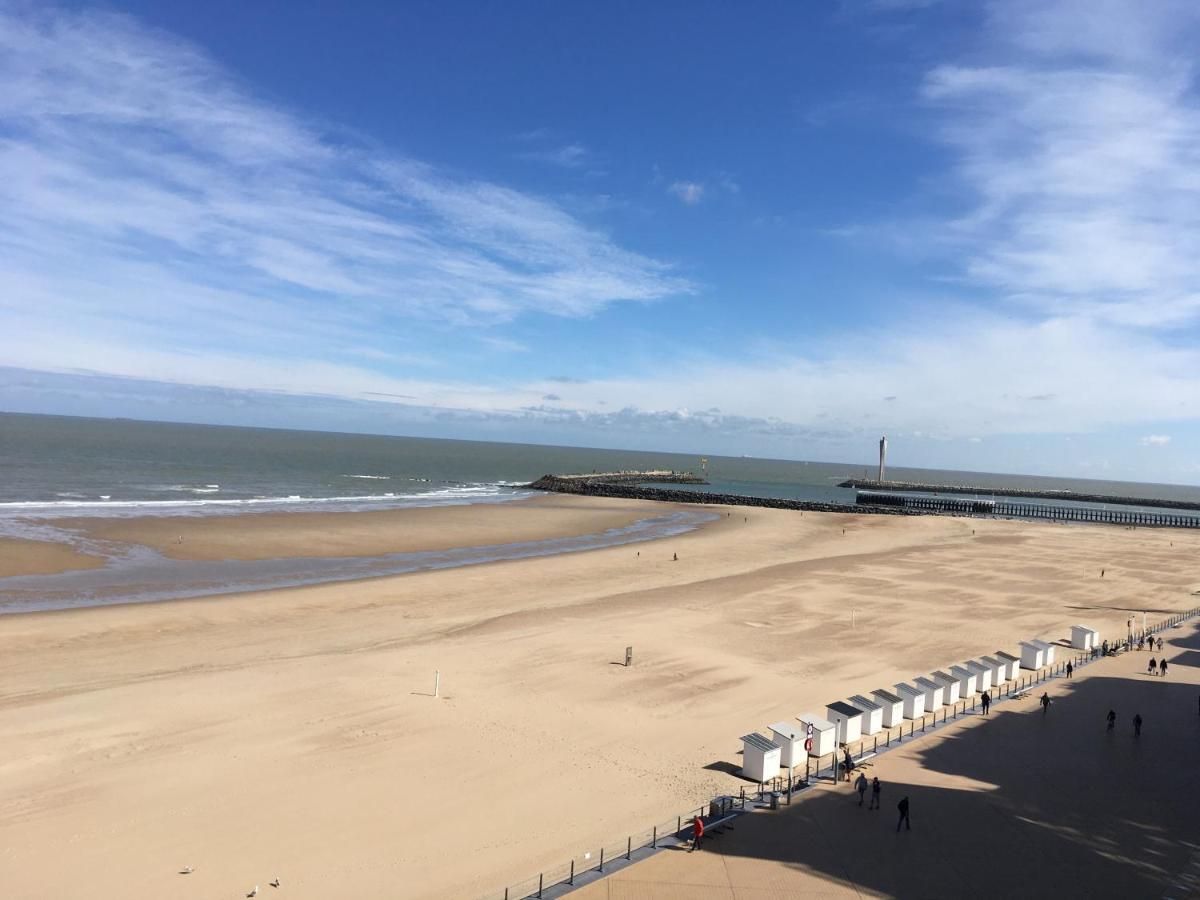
(697, 832)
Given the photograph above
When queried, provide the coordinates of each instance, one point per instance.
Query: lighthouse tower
(882, 455)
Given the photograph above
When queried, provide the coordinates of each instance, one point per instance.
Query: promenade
(1014, 804)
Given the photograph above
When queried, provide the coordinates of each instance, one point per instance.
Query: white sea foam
(481, 492)
(371, 477)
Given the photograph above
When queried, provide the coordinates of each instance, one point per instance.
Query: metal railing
(679, 828)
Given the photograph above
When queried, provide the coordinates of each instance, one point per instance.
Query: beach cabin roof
(863, 703)
(844, 709)
(909, 689)
(817, 722)
(1002, 655)
(939, 675)
(758, 742)
(888, 696)
(990, 661)
(788, 730)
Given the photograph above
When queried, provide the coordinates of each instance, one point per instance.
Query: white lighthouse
(882, 455)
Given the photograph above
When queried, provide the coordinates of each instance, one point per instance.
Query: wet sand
(292, 732)
(356, 534)
(19, 556)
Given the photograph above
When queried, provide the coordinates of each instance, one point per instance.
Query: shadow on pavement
(1019, 805)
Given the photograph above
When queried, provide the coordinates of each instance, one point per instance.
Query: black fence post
(653, 841)
(629, 846)
(571, 879)
(539, 884)
(601, 859)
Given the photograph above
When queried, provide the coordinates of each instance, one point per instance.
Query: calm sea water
(71, 466)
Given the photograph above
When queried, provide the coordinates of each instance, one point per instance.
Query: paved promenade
(1015, 804)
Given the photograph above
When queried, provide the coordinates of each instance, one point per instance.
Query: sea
(53, 465)
(54, 468)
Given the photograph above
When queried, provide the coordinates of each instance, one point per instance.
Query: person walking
(985, 700)
(1162, 668)
(903, 820)
(861, 786)
(876, 787)
(1153, 667)
(1137, 724)
(1045, 701)
(847, 762)
(1112, 719)
(1160, 645)
(697, 832)
(1070, 669)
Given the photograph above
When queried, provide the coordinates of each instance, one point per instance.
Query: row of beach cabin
(849, 720)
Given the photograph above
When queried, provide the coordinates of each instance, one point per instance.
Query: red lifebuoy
(808, 745)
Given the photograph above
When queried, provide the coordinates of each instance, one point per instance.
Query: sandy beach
(292, 733)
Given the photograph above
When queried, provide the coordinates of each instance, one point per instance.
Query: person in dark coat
(903, 820)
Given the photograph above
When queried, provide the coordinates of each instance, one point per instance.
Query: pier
(976, 507)
(870, 484)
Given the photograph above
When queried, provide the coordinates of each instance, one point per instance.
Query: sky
(776, 230)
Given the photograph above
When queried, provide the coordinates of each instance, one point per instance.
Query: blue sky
(776, 231)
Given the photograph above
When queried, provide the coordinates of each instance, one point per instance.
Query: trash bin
(774, 799)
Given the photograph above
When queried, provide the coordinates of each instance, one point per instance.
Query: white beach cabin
(933, 692)
(950, 687)
(1047, 649)
(790, 739)
(914, 700)
(966, 680)
(848, 720)
(872, 714)
(892, 706)
(998, 668)
(1011, 664)
(1082, 637)
(824, 734)
(1032, 656)
(760, 758)
(983, 675)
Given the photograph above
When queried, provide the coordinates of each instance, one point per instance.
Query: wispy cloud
(568, 156)
(1080, 140)
(151, 201)
(690, 192)
(1155, 440)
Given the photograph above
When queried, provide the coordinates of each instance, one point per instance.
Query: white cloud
(1155, 440)
(568, 156)
(690, 192)
(150, 199)
(1080, 140)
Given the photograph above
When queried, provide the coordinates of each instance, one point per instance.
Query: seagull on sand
(187, 870)
(275, 883)
(253, 893)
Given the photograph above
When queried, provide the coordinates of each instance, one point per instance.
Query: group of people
(876, 786)
(1157, 667)
(1111, 718)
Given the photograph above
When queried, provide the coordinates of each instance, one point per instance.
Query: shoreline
(254, 553)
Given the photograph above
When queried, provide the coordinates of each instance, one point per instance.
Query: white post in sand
(437, 681)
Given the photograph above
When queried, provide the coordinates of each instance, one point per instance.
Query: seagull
(186, 870)
(275, 883)
(253, 893)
